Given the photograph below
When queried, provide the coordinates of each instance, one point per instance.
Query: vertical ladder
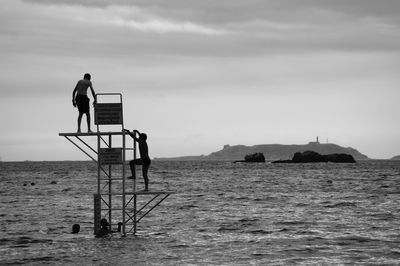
(111, 114)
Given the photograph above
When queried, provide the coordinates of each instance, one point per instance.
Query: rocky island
(272, 152)
(314, 157)
(252, 158)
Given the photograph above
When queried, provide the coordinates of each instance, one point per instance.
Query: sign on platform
(108, 114)
(110, 156)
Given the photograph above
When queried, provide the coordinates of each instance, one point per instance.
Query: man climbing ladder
(144, 157)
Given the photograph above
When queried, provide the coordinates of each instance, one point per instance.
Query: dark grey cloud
(238, 10)
(242, 28)
(252, 27)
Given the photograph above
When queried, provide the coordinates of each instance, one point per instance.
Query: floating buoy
(76, 228)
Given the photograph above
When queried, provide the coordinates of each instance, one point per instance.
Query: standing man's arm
(94, 94)
(73, 95)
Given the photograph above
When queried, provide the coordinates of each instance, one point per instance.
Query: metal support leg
(109, 186)
(134, 214)
(123, 184)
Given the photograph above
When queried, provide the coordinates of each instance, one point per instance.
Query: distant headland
(272, 152)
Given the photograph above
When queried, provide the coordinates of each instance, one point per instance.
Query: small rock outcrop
(253, 158)
(314, 157)
(308, 157)
(340, 158)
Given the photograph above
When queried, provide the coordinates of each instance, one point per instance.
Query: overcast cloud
(200, 74)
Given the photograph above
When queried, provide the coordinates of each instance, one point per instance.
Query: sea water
(222, 214)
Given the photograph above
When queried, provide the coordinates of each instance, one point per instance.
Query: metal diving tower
(117, 198)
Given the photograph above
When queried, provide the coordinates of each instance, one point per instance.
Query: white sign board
(110, 156)
(108, 114)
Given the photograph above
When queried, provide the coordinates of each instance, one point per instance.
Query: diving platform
(116, 197)
(83, 134)
(142, 192)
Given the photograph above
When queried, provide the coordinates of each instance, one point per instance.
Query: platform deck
(76, 134)
(141, 192)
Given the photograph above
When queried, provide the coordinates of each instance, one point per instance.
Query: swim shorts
(82, 101)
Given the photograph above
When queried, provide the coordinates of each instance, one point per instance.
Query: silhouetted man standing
(144, 156)
(82, 101)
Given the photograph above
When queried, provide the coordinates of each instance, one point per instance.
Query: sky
(196, 75)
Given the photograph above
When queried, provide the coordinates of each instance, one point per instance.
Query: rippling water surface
(222, 214)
